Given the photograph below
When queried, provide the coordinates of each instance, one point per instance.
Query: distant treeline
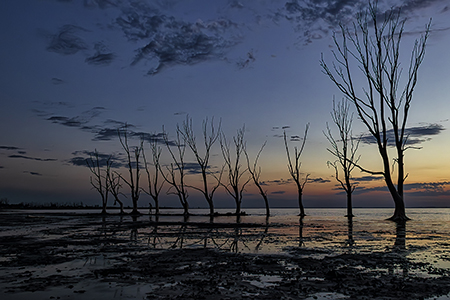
(4, 203)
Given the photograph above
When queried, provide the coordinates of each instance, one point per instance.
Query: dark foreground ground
(83, 257)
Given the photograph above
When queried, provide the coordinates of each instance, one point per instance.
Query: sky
(73, 71)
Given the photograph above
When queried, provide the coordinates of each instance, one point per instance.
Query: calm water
(323, 232)
(426, 236)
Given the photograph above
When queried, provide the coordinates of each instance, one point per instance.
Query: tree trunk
(238, 207)
(211, 207)
(300, 203)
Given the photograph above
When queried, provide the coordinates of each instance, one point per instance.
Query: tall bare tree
(344, 149)
(383, 105)
(209, 138)
(154, 183)
(294, 167)
(133, 155)
(99, 181)
(176, 174)
(255, 172)
(236, 183)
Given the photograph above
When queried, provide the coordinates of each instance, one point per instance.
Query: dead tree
(114, 185)
(344, 149)
(209, 138)
(99, 182)
(154, 183)
(176, 174)
(133, 155)
(294, 167)
(236, 183)
(255, 172)
(383, 105)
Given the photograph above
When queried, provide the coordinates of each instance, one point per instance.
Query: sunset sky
(73, 71)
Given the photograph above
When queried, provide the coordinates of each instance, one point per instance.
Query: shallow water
(322, 233)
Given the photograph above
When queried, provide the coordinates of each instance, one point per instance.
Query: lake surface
(422, 245)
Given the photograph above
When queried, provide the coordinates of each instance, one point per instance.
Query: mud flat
(86, 256)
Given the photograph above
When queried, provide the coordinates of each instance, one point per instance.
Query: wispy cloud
(11, 148)
(67, 40)
(102, 56)
(82, 156)
(318, 180)
(31, 158)
(32, 173)
(414, 135)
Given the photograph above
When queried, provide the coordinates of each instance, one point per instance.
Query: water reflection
(350, 241)
(254, 234)
(400, 238)
(300, 232)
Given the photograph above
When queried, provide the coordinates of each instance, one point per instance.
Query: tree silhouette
(176, 170)
(294, 168)
(154, 184)
(255, 172)
(100, 181)
(383, 104)
(209, 138)
(344, 150)
(133, 163)
(114, 185)
(236, 183)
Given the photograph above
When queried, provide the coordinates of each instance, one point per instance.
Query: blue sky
(73, 71)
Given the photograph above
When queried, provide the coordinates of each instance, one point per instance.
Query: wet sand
(68, 256)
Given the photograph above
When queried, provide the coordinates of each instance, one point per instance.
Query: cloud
(317, 19)
(367, 178)
(278, 192)
(57, 81)
(66, 41)
(32, 173)
(31, 158)
(12, 148)
(414, 135)
(102, 56)
(82, 156)
(276, 182)
(171, 42)
(318, 180)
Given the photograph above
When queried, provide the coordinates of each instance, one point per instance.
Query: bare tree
(176, 170)
(294, 169)
(99, 182)
(133, 162)
(344, 150)
(154, 184)
(383, 106)
(236, 183)
(114, 185)
(209, 138)
(255, 172)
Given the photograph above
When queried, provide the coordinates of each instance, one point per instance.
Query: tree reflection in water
(350, 241)
(301, 243)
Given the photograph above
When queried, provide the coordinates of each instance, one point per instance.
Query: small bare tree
(133, 162)
(154, 184)
(236, 183)
(255, 172)
(344, 150)
(114, 185)
(209, 138)
(99, 182)
(380, 106)
(294, 169)
(176, 170)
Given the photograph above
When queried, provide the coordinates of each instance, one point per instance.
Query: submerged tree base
(398, 218)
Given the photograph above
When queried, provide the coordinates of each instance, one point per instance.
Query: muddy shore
(88, 257)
